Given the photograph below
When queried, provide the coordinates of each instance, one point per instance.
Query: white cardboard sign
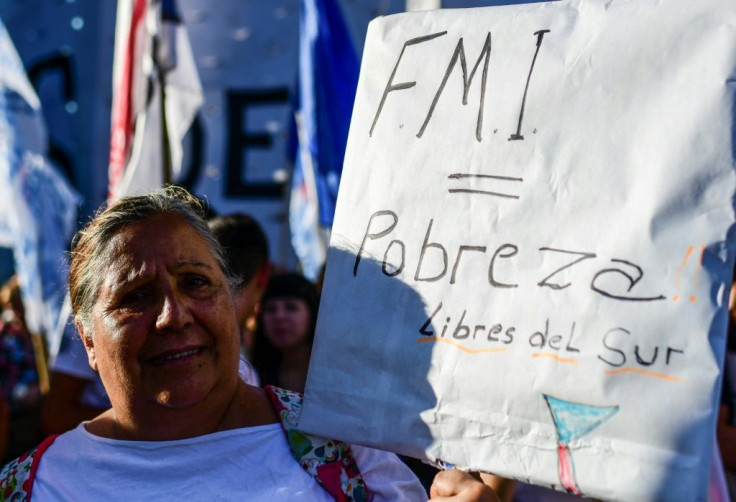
(529, 266)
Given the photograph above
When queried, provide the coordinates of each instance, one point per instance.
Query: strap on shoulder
(16, 478)
(330, 462)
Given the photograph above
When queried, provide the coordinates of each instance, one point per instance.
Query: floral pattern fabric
(16, 478)
(330, 462)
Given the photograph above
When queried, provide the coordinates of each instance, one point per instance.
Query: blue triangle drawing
(575, 420)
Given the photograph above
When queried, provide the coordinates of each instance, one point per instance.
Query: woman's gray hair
(89, 247)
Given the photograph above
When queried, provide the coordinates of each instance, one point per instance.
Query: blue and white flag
(328, 76)
(38, 208)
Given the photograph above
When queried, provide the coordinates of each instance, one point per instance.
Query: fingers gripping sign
(458, 486)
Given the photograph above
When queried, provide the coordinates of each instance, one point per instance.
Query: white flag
(152, 54)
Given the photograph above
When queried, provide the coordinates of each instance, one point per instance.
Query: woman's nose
(174, 313)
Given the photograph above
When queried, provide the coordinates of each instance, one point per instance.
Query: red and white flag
(156, 95)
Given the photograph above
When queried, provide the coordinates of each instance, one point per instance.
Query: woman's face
(286, 322)
(163, 328)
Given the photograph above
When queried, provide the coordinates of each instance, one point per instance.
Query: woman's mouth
(169, 357)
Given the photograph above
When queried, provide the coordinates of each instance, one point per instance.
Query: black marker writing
(390, 86)
(618, 348)
(460, 250)
(460, 176)
(540, 37)
(460, 54)
(426, 244)
(632, 282)
(512, 251)
(423, 330)
(378, 235)
(433, 257)
(583, 256)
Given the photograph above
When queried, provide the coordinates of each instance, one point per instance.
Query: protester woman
(152, 300)
(283, 342)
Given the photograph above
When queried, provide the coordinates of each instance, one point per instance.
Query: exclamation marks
(698, 266)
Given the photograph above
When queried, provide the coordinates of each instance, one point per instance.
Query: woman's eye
(196, 282)
(132, 298)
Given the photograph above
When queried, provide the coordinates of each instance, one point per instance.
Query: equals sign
(460, 176)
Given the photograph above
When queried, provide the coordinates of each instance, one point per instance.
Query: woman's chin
(185, 394)
(178, 399)
(206, 389)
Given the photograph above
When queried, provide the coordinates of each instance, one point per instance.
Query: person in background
(285, 333)
(18, 375)
(76, 392)
(246, 253)
(153, 302)
(20, 392)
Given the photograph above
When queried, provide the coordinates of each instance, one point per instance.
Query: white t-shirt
(253, 464)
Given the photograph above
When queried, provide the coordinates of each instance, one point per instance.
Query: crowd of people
(180, 373)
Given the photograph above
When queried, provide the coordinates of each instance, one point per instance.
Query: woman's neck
(248, 406)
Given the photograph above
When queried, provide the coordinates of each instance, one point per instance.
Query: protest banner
(532, 248)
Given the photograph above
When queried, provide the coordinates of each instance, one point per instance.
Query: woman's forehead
(165, 236)
(158, 228)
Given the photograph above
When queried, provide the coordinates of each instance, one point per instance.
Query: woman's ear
(89, 345)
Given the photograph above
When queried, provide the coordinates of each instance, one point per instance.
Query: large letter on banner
(532, 249)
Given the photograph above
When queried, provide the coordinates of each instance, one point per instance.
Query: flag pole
(161, 69)
(166, 146)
